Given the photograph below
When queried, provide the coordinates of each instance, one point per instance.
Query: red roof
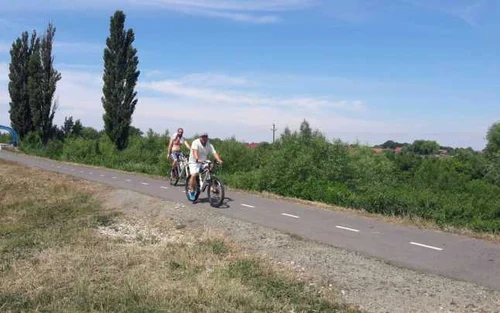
(253, 145)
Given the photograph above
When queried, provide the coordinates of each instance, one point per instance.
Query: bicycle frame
(182, 165)
(204, 177)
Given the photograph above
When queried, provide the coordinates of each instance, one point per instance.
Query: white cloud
(467, 10)
(230, 15)
(236, 5)
(205, 95)
(215, 80)
(246, 123)
(151, 73)
(79, 95)
(4, 72)
(250, 11)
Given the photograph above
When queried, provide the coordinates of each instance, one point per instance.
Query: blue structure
(13, 134)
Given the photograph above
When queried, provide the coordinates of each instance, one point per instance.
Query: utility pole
(274, 131)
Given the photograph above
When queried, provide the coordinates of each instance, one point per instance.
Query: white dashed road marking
(247, 205)
(145, 184)
(347, 228)
(128, 180)
(425, 246)
(102, 175)
(290, 215)
(163, 187)
(114, 177)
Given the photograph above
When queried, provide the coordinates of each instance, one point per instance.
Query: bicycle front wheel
(216, 193)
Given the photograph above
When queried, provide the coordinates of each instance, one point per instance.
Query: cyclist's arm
(217, 157)
(195, 154)
(186, 143)
(169, 150)
(216, 154)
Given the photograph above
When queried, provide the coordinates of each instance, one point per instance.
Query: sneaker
(192, 195)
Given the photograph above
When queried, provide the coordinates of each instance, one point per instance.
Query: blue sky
(359, 70)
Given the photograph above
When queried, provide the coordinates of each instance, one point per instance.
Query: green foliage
(32, 85)
(493, 170)
(49, 79)
(390, 144)
(88, 133)
(20, 111)
(67, 128)
(77, 128)
(424, 147)
(493, 137)
(5, 137)
(120, 77)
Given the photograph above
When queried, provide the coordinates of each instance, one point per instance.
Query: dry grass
(62, 250)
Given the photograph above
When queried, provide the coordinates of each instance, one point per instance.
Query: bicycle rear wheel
(216, 193)
(174, 176)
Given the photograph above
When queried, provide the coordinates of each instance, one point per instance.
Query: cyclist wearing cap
(200, 148)
(174, 147)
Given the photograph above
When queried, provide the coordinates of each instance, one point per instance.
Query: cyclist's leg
(194, 170)
(175, 156)
(172, 167)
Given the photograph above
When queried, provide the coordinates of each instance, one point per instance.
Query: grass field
(57, 255)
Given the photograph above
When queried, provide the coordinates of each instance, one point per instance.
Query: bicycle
(206, 180)
(180, 171)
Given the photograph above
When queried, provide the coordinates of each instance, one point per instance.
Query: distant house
(253, 145)
(442, 153)
(378, 150)
(398, 150)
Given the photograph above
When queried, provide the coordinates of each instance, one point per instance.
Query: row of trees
(430, 147)
(33, 81)
(32, 84)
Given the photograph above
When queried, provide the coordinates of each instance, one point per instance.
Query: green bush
(5, 137)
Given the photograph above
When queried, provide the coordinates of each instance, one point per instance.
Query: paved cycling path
(449, 255)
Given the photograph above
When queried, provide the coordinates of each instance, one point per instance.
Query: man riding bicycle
(174, 148)
(200, 148)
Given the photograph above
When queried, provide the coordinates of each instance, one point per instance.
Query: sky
(360, 70)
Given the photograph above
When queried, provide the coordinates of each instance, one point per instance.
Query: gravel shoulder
(370, 284)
